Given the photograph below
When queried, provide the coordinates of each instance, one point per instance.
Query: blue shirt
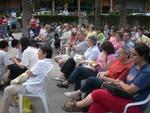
(129, 44)
(91, 53)
(141, 79)
(13, 21)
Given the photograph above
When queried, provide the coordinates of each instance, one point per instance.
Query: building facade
(9, 5)
(133, 6)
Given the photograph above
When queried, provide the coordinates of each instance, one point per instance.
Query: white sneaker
(59, 79)
(72, 95)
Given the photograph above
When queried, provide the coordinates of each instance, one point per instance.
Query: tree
(26, 17)
(123, 13)
(97, 13)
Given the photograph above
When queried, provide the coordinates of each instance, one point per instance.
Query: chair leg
(20, 103)
(44, 100)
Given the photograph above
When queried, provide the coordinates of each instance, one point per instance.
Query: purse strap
(105, 83)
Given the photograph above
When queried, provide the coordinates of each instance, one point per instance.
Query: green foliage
(115, 13)
(106, 19)
(139, 20)
(131, 20)
(55, 18)
(18, 13)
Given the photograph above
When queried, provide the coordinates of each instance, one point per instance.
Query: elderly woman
(117, 70)
(137, 82)
(91, 54)
(35, 74)
(105, 59)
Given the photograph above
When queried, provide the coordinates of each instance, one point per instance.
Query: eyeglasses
(134, 54)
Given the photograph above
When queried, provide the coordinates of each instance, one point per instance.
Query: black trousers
(68, 67)
(15, 71)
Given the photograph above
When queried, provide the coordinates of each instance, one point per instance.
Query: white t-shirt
(19, 54)
(29, 57)
(43, 33)
(66, 35)
(13, 14)
(39, 70)
(4, 61)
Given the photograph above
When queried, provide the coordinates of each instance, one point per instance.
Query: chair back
(44, 79)
(145, 101)
(42, 82)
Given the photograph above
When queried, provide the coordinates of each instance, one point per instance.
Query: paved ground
(55, 94)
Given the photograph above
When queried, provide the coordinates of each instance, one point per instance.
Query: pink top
(103, 60)
(118, 45)
(113, 39)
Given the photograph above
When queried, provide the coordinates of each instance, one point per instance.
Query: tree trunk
(53, 7)
(123, 13)
(27, 14)
(79, 5)
(97, 13)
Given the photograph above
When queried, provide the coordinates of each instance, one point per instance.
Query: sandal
(61, 85)
(70, 106)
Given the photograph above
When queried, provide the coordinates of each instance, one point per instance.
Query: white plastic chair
(41, 94)
(136, 103)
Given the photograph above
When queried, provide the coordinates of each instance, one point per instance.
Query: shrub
(57, 18)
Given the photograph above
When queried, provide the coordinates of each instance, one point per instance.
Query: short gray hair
(126, 50)
(93, 39)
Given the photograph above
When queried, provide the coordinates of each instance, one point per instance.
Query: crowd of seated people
(117, 69)
(98, 55)
(136, 83)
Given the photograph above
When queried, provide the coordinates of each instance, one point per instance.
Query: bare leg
(85, 102)
(6, 76)
(78, 92)
(65, 82)
(5, 107)
(61, 62)
(63, 75)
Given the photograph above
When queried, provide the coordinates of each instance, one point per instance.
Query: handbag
(77, 58)
(117, 90)
(27, 105)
